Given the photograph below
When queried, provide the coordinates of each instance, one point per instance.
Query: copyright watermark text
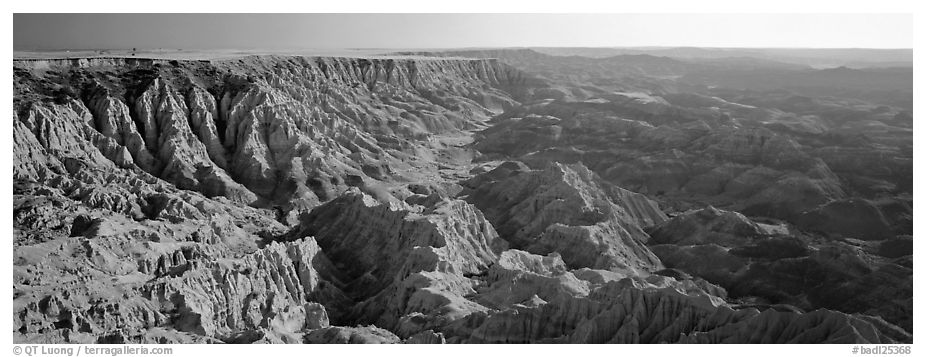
(74, 351)
(884, 350)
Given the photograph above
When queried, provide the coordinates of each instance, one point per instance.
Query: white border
(480, 6)
(477, 6)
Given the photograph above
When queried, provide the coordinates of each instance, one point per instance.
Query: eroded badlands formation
(432, 199)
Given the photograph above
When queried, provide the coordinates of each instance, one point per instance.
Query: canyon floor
(479, 196)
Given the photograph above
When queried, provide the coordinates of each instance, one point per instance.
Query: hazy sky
(294, 31)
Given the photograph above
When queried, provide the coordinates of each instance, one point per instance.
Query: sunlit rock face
(267, 130)
(162, 184)
(569, 210)
(523, 198)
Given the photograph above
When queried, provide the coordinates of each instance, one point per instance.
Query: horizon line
(639, 47)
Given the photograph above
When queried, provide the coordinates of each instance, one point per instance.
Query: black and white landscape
(499, 195)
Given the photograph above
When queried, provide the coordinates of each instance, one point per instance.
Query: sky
(411, 31)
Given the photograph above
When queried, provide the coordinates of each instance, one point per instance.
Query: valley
(471, 196)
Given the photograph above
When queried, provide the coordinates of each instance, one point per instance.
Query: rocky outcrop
(291, 131)
(132, 189)
(101, 275)
(383, 239)
(268, 289)
(684, 157)
(278, 199)
(746, 259)
(406, 267)
(567, 209)
(351, 335)
(656, 309)
(707, 226)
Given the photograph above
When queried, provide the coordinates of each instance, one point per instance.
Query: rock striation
(567, 309)
(437, 199)
(569, 210)
(750, 261)
(358, 229)
(405, 267)
(289, 131)
(149, 194)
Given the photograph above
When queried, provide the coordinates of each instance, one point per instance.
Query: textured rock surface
(707, 226)
(352, 335)
(387, 251)
(290, 131)
(132, 189)
(730, 250)
(569, 210)
(656, 309)
(713, 150)
(423, 199)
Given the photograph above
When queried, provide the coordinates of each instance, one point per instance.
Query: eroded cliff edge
(295, 199)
